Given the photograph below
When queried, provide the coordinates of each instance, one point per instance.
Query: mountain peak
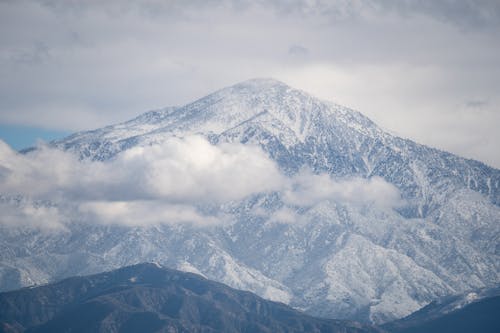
(268, 89)
(262, 82)
(263, 102)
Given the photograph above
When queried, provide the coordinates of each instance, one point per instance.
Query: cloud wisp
(308, 189)
(182, 180)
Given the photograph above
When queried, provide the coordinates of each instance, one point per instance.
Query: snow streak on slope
(329, 256)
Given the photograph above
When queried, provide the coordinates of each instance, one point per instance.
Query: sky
(20, 137)
(425, 70)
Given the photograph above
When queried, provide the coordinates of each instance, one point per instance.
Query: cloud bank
(412, 66)
(178, 170)
(182, 180)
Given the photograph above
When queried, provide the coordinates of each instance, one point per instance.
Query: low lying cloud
(285, 215)
(152, 212)
(193, 169)
(298, 51)
(26, 213)
(308, 189)
(165, 183)
(178, 170)
(182, 180)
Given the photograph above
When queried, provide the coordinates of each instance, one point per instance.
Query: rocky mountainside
(331, 257)
(148, 298)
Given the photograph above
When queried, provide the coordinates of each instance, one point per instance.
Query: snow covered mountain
(332, 258)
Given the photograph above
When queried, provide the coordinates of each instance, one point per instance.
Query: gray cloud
(467, 14)
(34, 55)
(409, 65)
(298, 51)
(464, 13)
(474, 103)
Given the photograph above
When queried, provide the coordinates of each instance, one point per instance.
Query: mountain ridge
(149, 298)
(474, 311)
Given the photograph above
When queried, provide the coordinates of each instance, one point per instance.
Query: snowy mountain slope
(296, 129)
(332, 258)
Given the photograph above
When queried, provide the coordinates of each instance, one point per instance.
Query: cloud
(45, 171)
(191, 169)
(298, 51)
(308, 189)
(179, 170)
(465, 14)
(181, 180)
(145, 213)
(88, 64)
(285, 215)
(476, 104)
(26, 213)
(172, 182)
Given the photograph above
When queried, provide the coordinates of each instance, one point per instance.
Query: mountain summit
(297, 129)
(328, 256)
(268, 103)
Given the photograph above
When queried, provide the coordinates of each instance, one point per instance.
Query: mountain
(148, 298)
(470, 312)
(331, 258)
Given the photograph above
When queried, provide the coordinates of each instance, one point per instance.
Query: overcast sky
(426, 70)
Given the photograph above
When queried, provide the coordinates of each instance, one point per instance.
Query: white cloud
(179, 170)
(32, 215)
(44, 171)
(144, 213)
(307, 189)
(181, 180)
(164, 183)
(286, 215)
(191, 169)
